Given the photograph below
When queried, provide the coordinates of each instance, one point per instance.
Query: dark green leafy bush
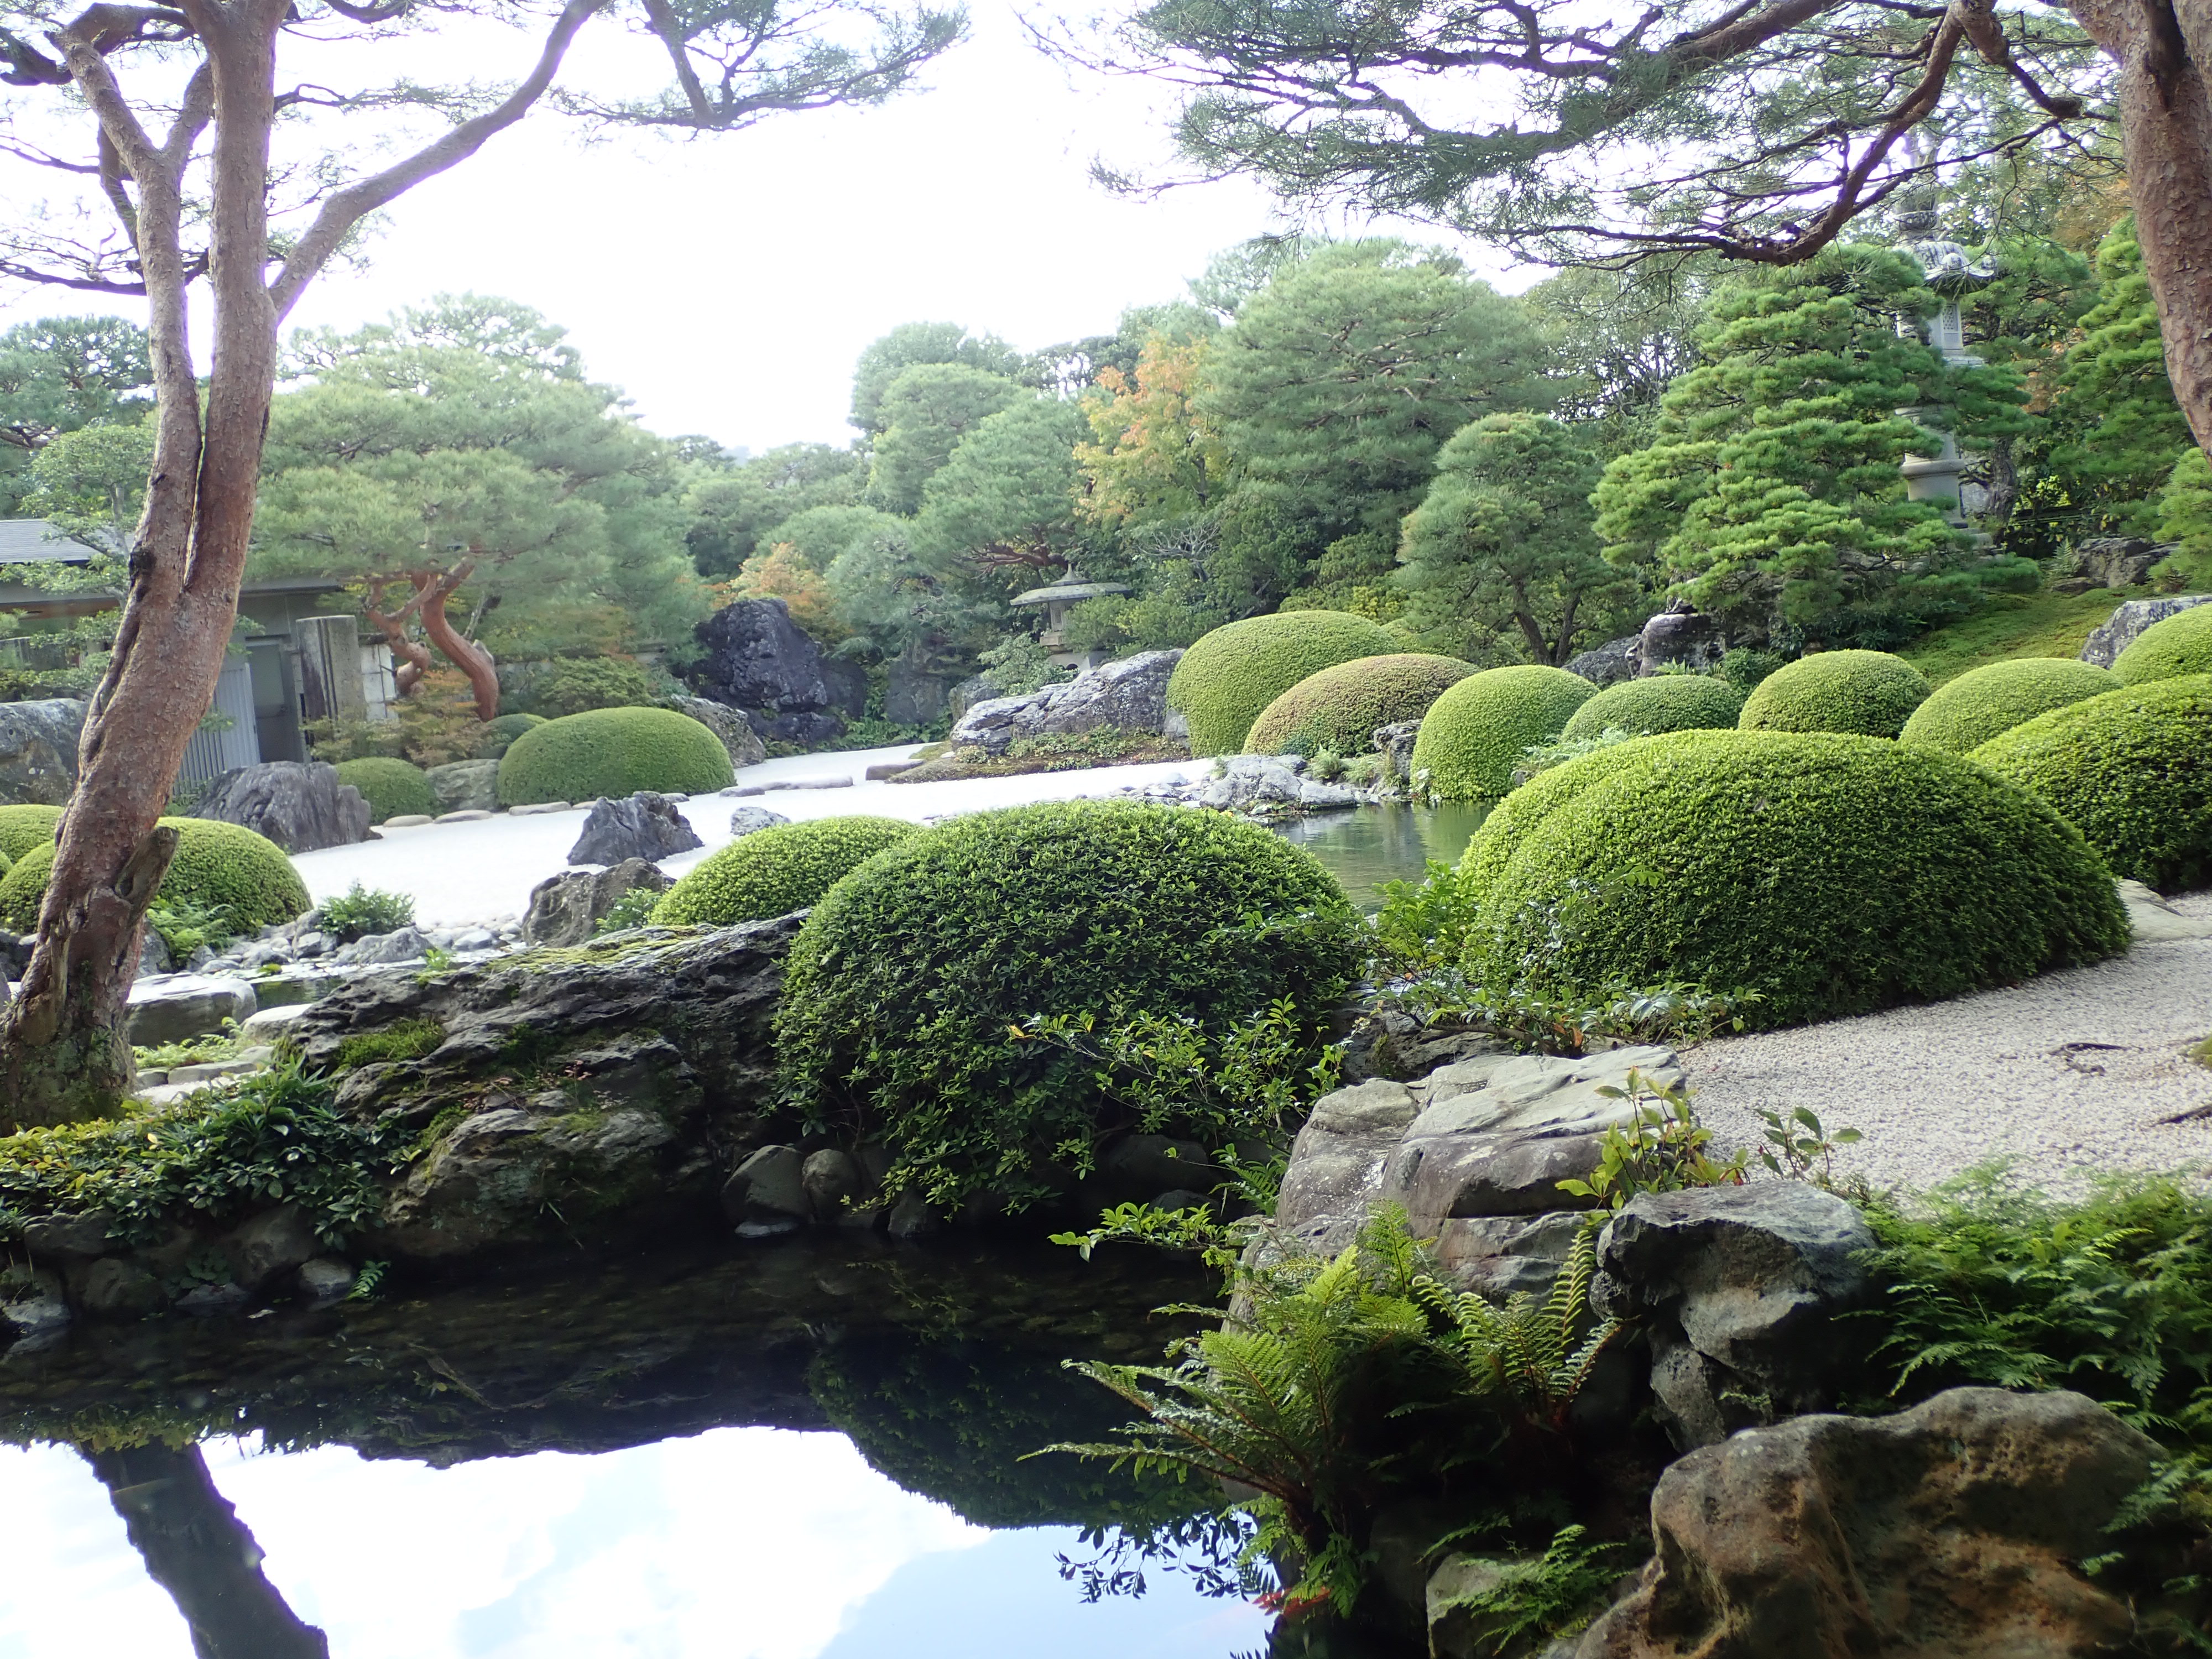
(499, 735)
(1230, 675)
(2180, 645)
(360, 911)
(2132, 770)
(576, 685)
(1870, 693)
(26, 828)
(1967, 712)
(773, 871)
(613, 753)
(1663, 702)
(906, 985)
(1473, 735)
(1338, 708)
(219, 868)
(1831, 874)
(393, 788)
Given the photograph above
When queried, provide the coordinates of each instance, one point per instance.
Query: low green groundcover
(2180, 645)
(1473, 736)
(613, 753)
(2132, 770)
(1871, 693)
(1662, 702)
(218, 865)
(774, 871)
(26, 828)
(1967, 712)
(1830, 873)
(393, 788)
(1340, 708)
(1230, 675)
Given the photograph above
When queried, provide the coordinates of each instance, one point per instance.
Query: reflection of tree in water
(1392, 842)
(197, 1548)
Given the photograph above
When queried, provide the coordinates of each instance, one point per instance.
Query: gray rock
(2157, 922)
(1505, 1256)
(475, 939)
(831, 1179)
(1610, 663)
(744, 820)
(2119, 561)
(757, 661)
(300, 805)
(1337, 1162)
(206, 1299)
(69, 1238)
(964, 696)
(1136, 1167)
(270, 1023)
(738, 738)
(466, 815)
(408, 821)
(34, 1308)
(2120, 631)
(1270, 786)
(1680, 635)
(401, 944)
(912, 1218)
(38, 752)
(469, 786)
(154, 956)
(1128, 696)
(645, 826)
(537, 809)
(769, 1189)
(183, 1006)
(912, 695)
(117, 1289)
(325, 1279)
(566, 909)
(1395, 743)
(269, 1245)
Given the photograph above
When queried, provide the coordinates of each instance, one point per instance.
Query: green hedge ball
(500, 734)
(1340, 708)
(1831, 873)
(774, 871)
(1869, 693)
(26, 828)
(2132, 770)
(1664, 702)
(1228, 678)
(2180, 645)
(613, 753)
(393, 788)
(1967, 712)
(218, 864)
(1473, 736)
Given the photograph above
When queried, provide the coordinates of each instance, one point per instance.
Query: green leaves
(1663, 1149)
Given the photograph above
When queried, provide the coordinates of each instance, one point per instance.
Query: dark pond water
(1370, 845)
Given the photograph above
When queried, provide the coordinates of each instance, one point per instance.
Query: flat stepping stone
(883, 769)
(537, 807)
(467, 815)
(408, 821)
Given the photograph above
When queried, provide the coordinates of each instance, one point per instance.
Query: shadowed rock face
(757, 661)
(299, 805)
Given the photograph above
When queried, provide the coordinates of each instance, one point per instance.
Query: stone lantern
(1953, 273)
(1070, 590)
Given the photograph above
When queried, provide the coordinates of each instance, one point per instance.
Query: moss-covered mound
(1664, 702)
(614, 753)
(1230, 675)
(1473, 735)
(773, 871)
(2181, 645)
(1831, 874)
(219, 866)
(1967, 712)
(498, 734)
(26, 828)
(1870, 693)
(2132, 770)
(393, 788)
(905, 981)
(1340, 708)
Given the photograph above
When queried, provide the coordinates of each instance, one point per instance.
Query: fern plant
(1533, 1356)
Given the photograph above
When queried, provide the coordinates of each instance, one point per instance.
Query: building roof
(35, 541)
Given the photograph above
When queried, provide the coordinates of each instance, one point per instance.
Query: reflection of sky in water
(738, 1544)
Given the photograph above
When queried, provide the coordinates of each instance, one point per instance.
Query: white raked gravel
(2007, 1074)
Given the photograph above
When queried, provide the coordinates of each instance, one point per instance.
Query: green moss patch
(2180, 645)
(402, 1040)
(26, 828)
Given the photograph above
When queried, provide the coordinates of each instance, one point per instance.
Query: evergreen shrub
(1338, 708)
(614, 753)
(1831, 873)
(26, 828)
(773, 871)
(499, 735)
(1663, 702)
(576, 685)
(1473, 735)
(393, 788)
(1967, 712)
(1227, 678)
(1870, 693)
(2182, 644)
(903, 986)
(218, 866)
(2132, 770)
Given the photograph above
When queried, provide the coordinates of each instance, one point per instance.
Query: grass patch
(209, 1049)
(2008, 625)
(406, 1039)
(2202, 1054)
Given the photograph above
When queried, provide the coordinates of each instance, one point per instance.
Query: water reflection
(1371, 845)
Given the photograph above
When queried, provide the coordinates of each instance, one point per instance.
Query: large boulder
(1681, 635)
(734, 730)
(2119, 561)
(759, 662)
(1128, 696)
(469, 786)
(644, 826)
(38, 752)
(565, 910)
(301, 806)
(2128, 621)
(1956, 1528)
(186, 1006)
(1611, 663)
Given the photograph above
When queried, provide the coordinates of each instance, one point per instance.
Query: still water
(1370, 845)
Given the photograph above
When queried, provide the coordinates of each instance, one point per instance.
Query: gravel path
(2072, 1072)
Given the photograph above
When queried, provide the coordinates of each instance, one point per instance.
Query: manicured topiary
(2132, 770)
(1340, 708)
(2182, 644)
(1228, 677)
(613, 752)
(393, 788)
(1967, 712)
(773, 871)
(1473, 736)
(26, 828)
(499, 735)
(219, 865)
(1870, 693)
(901, 987)
(1664, 702)
(1833, 874)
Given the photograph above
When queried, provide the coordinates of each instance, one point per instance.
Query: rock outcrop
(735, 731)
(566, 909)
(469, 786)
(759, 662)
(1610, 663)
(2119, 561)
(645, 825)
(183, 1006)
(1128, 696)
(38, 752)
(1678, 635)
(300, 805)
(1395, 743)
(1263, 786)
(2120, 631)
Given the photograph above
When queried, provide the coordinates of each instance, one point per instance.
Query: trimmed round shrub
(614, 753)
(2180, 645)
(1664, 702)
(1230, 675)
(2132, 770)
(1340, 708)
(902, 988)
(576, 685)
(1967, 712)
(499, 735)
(393, 788)
(1473, 736)
(773, 871)
(1870, 693)
(219, 865)
(1833, 874)
(26, 828)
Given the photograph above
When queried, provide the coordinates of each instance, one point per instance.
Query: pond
(1370, 845)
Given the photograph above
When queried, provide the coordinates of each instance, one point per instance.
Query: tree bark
(471, 658)
(411, 658)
